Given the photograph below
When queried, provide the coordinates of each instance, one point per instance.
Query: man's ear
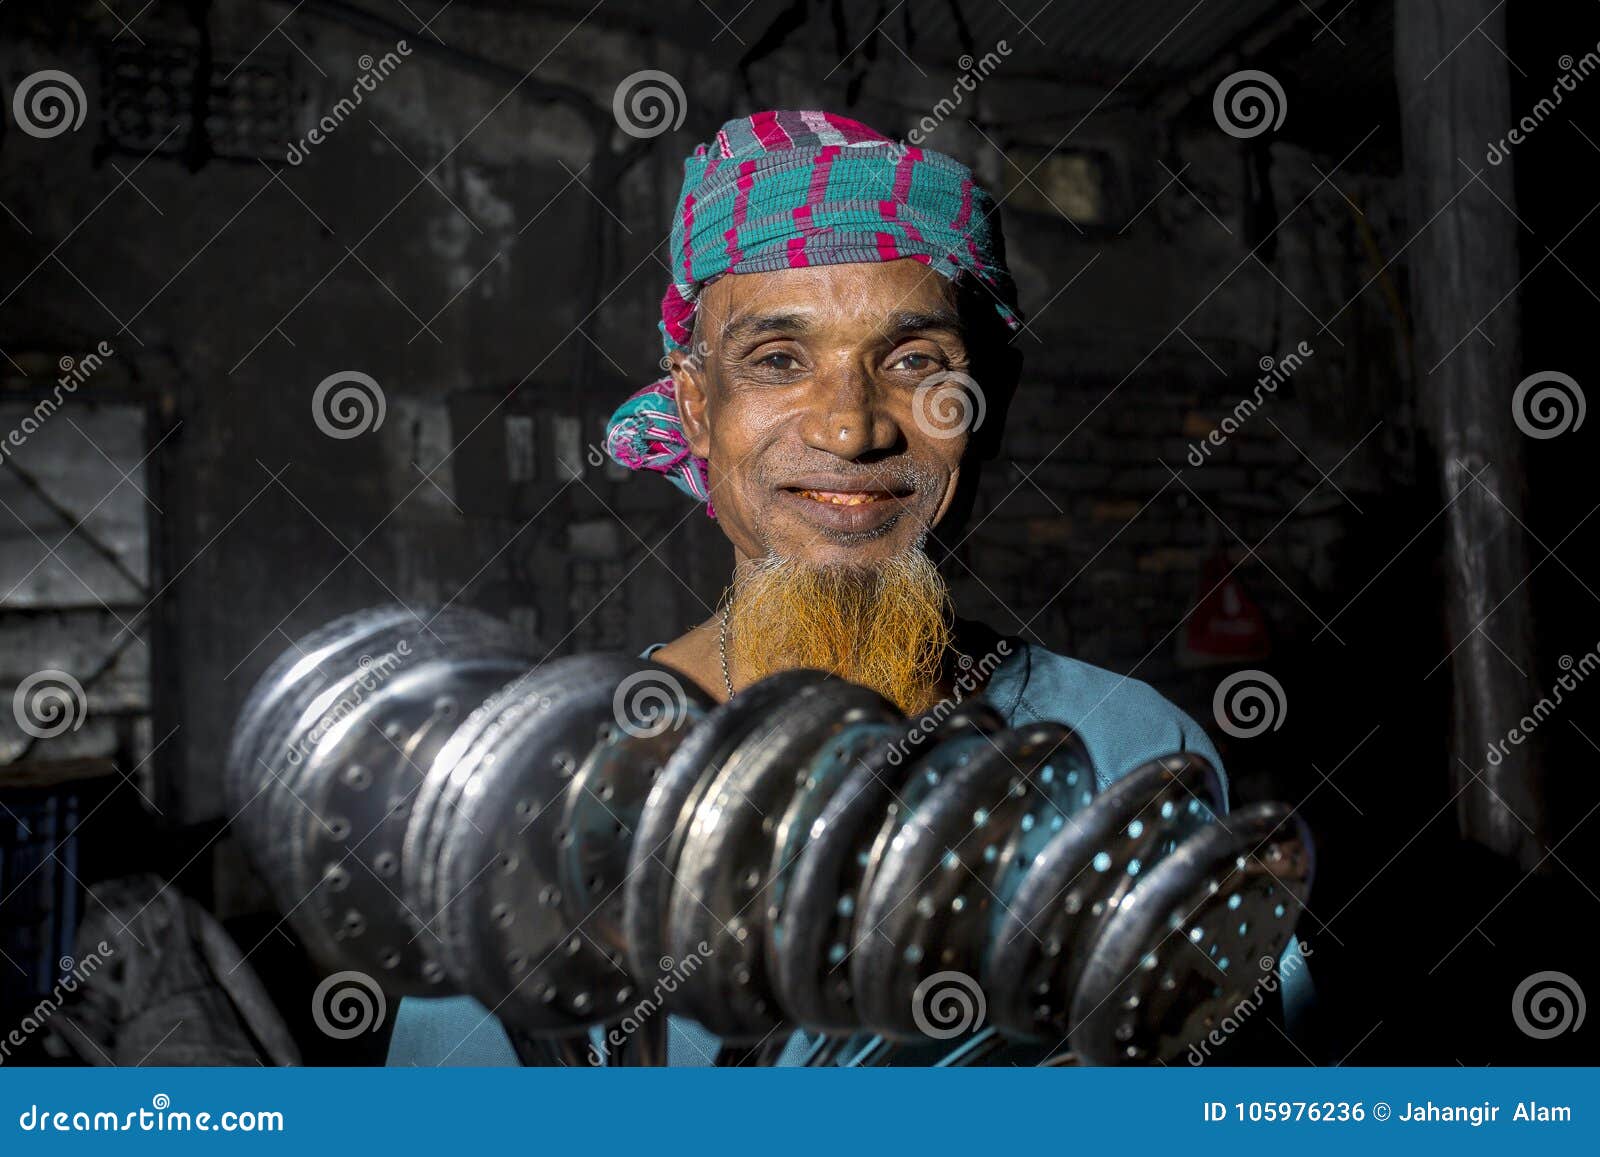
(997, 372)
(996, 366)
(689, 385)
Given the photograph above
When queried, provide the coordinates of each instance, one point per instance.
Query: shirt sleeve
(448, 1030)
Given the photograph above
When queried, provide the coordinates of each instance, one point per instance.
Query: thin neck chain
(722, 647)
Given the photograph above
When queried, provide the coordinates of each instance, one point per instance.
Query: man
(839, 366)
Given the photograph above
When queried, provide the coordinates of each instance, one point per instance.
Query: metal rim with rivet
(517, 943)
(358, 793)
(602, 812)
(1041, 939)
(924, 909)
(718, 893)
(1174, 959)
(687, 773)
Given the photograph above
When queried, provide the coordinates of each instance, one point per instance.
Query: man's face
(805, 404)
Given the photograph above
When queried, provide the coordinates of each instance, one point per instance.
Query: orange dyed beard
(885, 626)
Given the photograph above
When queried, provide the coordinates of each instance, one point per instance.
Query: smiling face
(805, 403)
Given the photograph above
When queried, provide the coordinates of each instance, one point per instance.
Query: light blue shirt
(1124, 723)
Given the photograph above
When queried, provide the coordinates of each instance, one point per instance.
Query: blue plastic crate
(40, 899)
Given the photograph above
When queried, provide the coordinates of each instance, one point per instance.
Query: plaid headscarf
(785, 189)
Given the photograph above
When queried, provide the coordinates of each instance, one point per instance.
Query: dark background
(485, 241)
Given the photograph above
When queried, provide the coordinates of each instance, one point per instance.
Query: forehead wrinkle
(712, 303)
(802, 318)
(754, 324)
(901, 321)
(946, 290)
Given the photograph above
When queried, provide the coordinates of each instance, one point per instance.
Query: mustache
(897, 474)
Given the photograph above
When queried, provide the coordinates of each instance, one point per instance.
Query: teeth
(838, 499)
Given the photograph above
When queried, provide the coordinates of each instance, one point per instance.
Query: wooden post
(1455, 98)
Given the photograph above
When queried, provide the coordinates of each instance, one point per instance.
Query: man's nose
(846, 415)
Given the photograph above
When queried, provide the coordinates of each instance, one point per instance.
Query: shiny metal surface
(324, 765)
(723, 874)
(1196, 940)
(925, 910)
(430, 811)
(1079, 879)
(671, 806)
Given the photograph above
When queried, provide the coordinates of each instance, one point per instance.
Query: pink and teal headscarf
(785, 189)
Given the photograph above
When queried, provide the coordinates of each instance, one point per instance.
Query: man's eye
(915, 361)
(772, 361)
